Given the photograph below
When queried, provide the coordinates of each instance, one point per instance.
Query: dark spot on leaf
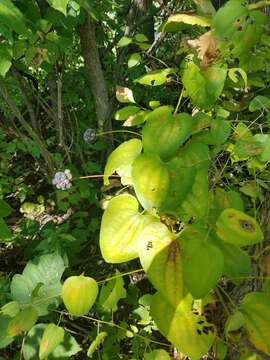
(153, 189)
(149, 245)
(240, 28)
(247, 225)
(173, 251)
(199, 332)
(153, 82)
(200, 322)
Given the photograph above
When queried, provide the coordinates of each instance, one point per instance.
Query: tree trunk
(94, 72)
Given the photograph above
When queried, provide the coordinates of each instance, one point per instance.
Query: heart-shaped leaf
(161, 259)
(111, 293)
(190, 333)
(121, 159)
(52, 336)
(164, 133)
(120, 227)
(238, 228)
(256, 310)
(202, 261)
(156, 77)
(150, 178)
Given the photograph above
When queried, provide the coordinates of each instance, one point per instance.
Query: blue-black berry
(62, 180)
(89, 136)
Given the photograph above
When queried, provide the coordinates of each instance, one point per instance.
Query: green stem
(117, 131)
(259, 5)
(120, 275)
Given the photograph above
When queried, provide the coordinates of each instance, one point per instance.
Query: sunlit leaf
(256, 310)
(60, 5)
(156, 77)
(120, 227)
(175, 22)
(190, 333)
(121, 160)
(238, 228)
(150, 178)
(134, 60)
(52, 336)
(124, 95)
(161, 259)
(124, 41)
(163, 132)
(158, 354)
(126, 112)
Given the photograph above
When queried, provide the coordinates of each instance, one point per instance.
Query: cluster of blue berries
(62, 180)
(89, 136)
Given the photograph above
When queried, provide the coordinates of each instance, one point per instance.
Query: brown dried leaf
(206, 46)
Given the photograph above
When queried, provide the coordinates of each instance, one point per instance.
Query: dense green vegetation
(134, 179)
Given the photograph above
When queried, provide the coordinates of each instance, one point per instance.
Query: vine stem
(120, 275)
(96, 176)
(114, 325)
(259, 5)
(117, 131)
(179, 102)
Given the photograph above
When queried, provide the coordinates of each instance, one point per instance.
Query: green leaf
(264, 140)
(156, 77)
(164, 133)
(11, 16)
(96, 343)
(126, 112)
(121, 160)
(190, 333)
(5, 232)
(260, 102)
(90, 7)
(256, 310)
(175, 22)
(5, 340)
(5, 58)
(110, 294)
(64, 351)
(234, 322)
(158, 354)
(161, 259)
(5, 209)
(124, 41)
(141, 38)
(202, 261)
(218, 133)
(52, 336)
(204, 86)
(120, 227)
(237, 228)
(60, 5)
(134, 60)
(46, 270)
(150, 178)
(237, 263)
(233, 75)
(22, 322)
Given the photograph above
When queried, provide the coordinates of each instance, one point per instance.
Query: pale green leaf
(111, 292)
(175, 22)
(134, 60)
(156, 77)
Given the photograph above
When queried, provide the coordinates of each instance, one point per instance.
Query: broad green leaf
(237, 263)
(164, 133)
(161, 259)
(175, 22)
(156, 77)
(52, 336)
(202, 261)
(39, 285)
(126, 112)
(5, 232)
(220, 349)
(264, 140)
(204, 86)
(158, 354)
(64, 351)
(256, 310)
(22, 322)
(137, 119)
(120, 227)
(234, 322)
(10, 309)
(5, 58)
(190, 333)
(218, 133)
(5, 340)
(110, 293)
(121, 160)
(141, 38)
(124, 41)
(96, 343)
(134, 60)
(154, 104)
(60, 5)
(260, 102)
(238, 228)
(181, 181)
(124, 95)
(11, 16)
(5, 208)
(90, 7)
(150, 179)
